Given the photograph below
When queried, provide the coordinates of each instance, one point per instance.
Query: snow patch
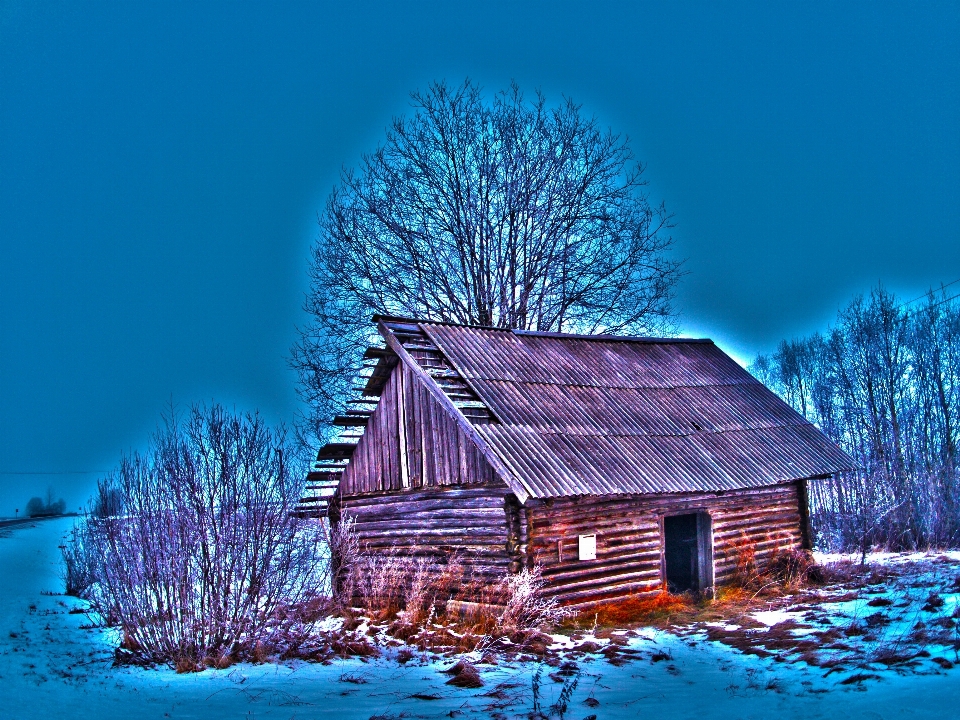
(53, 664)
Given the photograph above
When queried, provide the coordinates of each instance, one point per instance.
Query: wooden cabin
(618, 465)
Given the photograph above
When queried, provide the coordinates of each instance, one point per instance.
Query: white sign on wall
(588, 547)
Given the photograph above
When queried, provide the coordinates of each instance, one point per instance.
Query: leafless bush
(191, 548)
(344, 548)
(79, 554)
(525, 606)
(80, 563)
(793, 567)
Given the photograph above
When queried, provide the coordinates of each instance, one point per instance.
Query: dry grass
(752, 587)
(440, 607)
(643, 609)
(435, 604)
(788, 567)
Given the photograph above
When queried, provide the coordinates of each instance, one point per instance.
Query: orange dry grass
(642, 609)
(733, 595)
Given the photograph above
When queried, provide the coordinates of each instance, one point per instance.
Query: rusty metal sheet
(584, 416)
(503, 355)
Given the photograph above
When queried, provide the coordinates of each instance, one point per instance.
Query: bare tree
(504, 212)
(191, 548)
(884, 383)
(38, 507)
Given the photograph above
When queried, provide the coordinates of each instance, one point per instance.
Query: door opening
(688, 552)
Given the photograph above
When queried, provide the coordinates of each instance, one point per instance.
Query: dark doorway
(680, 549)
(688, 552)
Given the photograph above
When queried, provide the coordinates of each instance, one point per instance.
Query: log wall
(436, 524)
(411, 441)
(630, 541)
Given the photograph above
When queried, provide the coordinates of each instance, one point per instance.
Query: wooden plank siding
(630, 540)
(430, 451)
(470, 523)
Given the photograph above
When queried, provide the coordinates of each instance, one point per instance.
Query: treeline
(884, 384)
(38, 507)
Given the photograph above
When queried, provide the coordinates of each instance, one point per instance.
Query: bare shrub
(525, 606)
(80, 563)
(793, 567)
(192, 550)
(79, 554)
(344, 549)
(746, 555)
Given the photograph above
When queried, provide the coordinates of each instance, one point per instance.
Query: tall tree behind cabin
(502, 212)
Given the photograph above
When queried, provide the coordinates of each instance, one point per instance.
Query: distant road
(26, 521)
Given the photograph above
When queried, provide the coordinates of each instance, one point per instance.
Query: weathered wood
(630, 537)
(447, 405)
(579, 420)
(494, 533)
(411, 442)
(466, 610)
(437, 523)
(402, 430)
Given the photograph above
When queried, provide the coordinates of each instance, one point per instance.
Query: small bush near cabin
(191, 548)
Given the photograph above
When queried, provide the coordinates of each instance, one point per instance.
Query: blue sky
(162, 166)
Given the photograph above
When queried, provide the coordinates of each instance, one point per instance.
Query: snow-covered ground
(52, 666)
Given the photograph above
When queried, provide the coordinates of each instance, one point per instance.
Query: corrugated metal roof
(605, 415)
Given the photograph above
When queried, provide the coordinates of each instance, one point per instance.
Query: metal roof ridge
(423, 321)
(598, 337)
(603, 337)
